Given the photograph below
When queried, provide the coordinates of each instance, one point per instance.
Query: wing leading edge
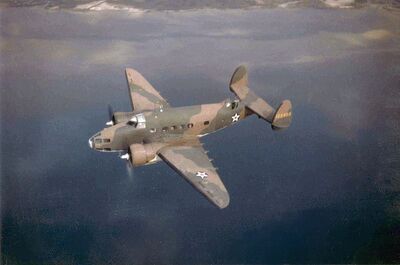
(194, 165)
(143, 95)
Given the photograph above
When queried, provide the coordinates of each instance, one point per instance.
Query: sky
(323, 191)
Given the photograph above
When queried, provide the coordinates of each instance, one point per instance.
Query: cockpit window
(138, 121)
(235, 104)
(97, 140)
(133, 121)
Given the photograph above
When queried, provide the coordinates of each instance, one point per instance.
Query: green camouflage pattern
(143, 95)
(239, 86)
(194, 165)
(155, 131)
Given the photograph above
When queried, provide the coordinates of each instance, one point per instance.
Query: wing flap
(143, 95)
(194, 165)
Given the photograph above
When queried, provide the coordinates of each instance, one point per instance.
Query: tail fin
(283, 116)
(279, 118)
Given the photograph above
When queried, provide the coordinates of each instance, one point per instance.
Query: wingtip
(128, 69)
(239, 77)
(222, 203)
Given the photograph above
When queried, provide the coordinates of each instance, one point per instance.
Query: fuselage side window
(190, 125)
(206, 123)
(165, 129)
(153, 130)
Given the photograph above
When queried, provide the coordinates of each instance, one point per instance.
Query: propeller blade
(110, 112)
(129, 167)
(129, 170)
(110, 116)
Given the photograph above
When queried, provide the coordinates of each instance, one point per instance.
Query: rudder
(283, 116)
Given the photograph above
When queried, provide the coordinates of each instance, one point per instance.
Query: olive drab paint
(155, 131)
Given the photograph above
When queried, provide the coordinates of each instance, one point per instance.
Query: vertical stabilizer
(283, 116)
(279, 119)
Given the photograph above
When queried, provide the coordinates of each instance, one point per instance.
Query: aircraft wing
(194, 165)
(143, 95)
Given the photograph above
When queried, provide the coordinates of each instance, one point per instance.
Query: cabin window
(172, 128)
(98, 141)
(206, 123)
(153, 130)
(106, 140)
(165, 129)
(190, 125)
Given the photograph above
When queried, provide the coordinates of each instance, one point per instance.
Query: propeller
(129, 167)
(129, 170)
(110, 116)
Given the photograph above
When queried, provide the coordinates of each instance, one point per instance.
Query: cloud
(116, 53)
(339, 3)
(377, 34)
(47, 53)
(289, 4)
(105, 6)
(358, 39)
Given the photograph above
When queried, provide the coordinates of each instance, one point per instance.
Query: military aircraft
(155, 131)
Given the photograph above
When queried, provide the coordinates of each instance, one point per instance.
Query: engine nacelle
(142, 154)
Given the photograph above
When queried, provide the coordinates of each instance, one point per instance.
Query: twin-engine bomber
(155, 131)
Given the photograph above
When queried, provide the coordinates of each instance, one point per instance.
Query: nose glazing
(91, 142)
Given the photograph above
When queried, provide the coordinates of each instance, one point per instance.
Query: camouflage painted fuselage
(171, 125)
(156, 131)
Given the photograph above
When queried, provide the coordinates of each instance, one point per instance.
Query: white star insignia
(202, 175)
(235, 117)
